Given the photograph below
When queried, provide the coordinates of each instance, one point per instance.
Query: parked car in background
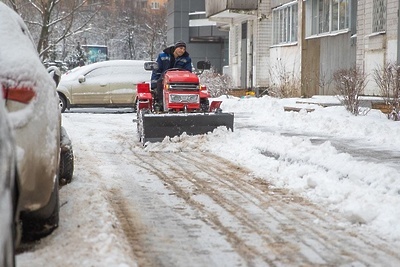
(33, 108)
(8, 201)
(102, 84)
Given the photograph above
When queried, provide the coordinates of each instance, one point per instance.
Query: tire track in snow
(230, 181)
(291, 218)
(302, 212)
(247, 253)
(131, 226)
(294, 216)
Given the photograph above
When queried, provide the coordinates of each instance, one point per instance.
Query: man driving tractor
(174, 56)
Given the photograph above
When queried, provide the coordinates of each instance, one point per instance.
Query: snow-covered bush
(387, 78)
(350, 83)
(284, 82)
(217, 84)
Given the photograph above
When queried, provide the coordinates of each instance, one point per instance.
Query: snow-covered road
(182, 204)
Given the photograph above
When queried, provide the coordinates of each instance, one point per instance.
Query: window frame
(328, 16)
(285, 24)
(379, 16)
(155, 5)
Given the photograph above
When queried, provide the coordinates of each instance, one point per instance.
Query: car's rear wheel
(66, 166)
(62, 102)
(40, 223)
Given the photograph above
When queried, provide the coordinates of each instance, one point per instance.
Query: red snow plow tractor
(185, 107)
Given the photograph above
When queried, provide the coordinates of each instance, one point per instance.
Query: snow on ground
(276, 145)
(310, 153)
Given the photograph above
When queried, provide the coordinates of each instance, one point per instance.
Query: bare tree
(156, 29)
(129, 31)
(147, 30)
(134, 32)
(127, 39)
(52, 21)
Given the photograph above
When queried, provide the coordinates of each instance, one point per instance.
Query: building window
(285, 24)
(155, 5)
(329, 15)
(379, 16)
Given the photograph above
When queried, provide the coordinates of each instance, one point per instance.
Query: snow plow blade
(155, 127)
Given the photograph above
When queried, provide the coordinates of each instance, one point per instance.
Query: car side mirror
(81, 79)
(150, 65)
(55, 73)
(204, 65)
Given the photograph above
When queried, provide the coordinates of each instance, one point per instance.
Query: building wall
(322, 55)
(373, 46)
(234, 55)
(361, 31)
(285, 60)
(392, 30)
(314, 58)
(178, 29)
(177, 21)
(336, 52)
(246, 51)
(374, 50)
(261, 57)
(262, 42)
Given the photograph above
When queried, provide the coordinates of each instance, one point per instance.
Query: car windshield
(99, 72)
(72, 74)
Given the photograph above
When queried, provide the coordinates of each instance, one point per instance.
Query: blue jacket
(164, 62)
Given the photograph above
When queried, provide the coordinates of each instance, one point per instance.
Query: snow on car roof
(137, 64)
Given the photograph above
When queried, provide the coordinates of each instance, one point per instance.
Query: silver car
(8, 191)
(32, 103)
(102, 84)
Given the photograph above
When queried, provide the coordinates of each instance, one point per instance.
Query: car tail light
(19, 94)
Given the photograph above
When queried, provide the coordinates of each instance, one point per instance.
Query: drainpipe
(398, 34)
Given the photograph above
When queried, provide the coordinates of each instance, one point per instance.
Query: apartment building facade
(307, 40)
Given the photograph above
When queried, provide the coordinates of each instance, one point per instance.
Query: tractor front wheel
(204, 105)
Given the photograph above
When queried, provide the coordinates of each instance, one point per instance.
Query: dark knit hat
(180, 44)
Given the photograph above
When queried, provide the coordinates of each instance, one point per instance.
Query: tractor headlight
(174, 98)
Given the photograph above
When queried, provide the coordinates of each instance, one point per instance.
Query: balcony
(221, 10)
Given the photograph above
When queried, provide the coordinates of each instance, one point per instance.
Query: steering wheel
(180, 69)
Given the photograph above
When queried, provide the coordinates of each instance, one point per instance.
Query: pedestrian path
(309, 104)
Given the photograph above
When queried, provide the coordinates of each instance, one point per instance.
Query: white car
(102, 84)
(33, 106)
